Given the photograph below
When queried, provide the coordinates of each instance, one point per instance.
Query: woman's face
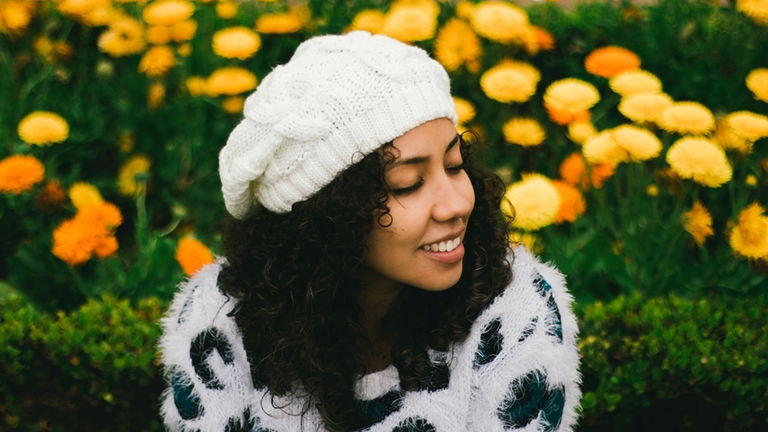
(430, 204)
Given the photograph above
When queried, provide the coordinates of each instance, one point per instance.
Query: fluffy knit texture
(338, 99)
(518, 369)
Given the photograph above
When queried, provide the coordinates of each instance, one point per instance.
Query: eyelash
(404, 191)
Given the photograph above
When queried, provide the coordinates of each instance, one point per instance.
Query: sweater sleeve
(526, 362)
(205, 366)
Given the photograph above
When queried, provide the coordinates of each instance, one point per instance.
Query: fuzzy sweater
(517, 370)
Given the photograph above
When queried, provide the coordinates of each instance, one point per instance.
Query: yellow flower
(757, 83)
(127, 184)
(280, 23)
(157, 61)
(43, 128)
(83, 194)
(125, 36)
(528, 239)
(749, 238)
(236, 42)
(184, 31)
(510, 81)
(635, 82)
(456, 44)
(195, 85)
(571, 95)
(603, 148)
(411, 21)
(230, 81)
(226, 9)
(687, 118)
(168, 12)
(748, 125)
(751, 180)
(755, 9)
(233, 104)
(159, 34)
(639, 143)
(698, 223)
(15, 16)
(701, 160)
(652, 190)
(184, 49)
(645, 107)
(464, 110)
(370, 20)
(500, 21)
(533, 202)
(192, 255)
(523, 131)
(580, 131)
(19, 173)
(465, 9)
(86, 11)
(155, 95)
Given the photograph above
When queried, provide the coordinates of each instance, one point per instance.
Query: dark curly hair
(294, 277)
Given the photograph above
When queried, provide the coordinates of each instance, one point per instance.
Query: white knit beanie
(338, 99)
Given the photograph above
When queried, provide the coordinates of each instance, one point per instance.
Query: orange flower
(90, 232)
(600, 173)
(573, 170)
(611, 60)
(192, 255)
(544, 38)
(51, 195)
(563, 118)
(572, 204)
(18, 173)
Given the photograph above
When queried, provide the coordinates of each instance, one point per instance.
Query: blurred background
(633, 138)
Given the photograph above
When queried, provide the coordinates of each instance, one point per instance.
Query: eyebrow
(422, 159)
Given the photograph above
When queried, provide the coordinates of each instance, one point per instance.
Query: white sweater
(517, 370)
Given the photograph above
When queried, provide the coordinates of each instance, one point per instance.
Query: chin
(439, 284)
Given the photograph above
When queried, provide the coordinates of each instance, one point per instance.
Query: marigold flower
(510, 81)
(127, 183)
(532, 201)
(698, 223)
(83, 194)
(157, 61)
(457, 44)
(464, 110)
(603, 148)
(236, 42)
(168, 12)
(544, 38)
(571, 96)
(523, 131)
(749, 238)
(601, 172)
(755, 9)
(279, 23)
(19, 173)
(645, 107)
(700, 160)
(91, 12)
(159, 34)
(102, 214)
(580, 131)
(125, 36)
(184, 31)
(90, 232)
(230, 81)
(500, 21)
(527, 239)
(572, 204)
(757, 83)
(573, 169)
(233, 104)
(51, 195)
(226, 9)
(411, 21)
(192, 255)
(687, 118)
(565, 118)
(751, 180)
(43, 128)
(370, 20)
(195, 85)
(748, 125)
(639, 143)
(652, 190)
(633, 82)
(15, 16)
(728, 139)
(465, 9)
(610, 61)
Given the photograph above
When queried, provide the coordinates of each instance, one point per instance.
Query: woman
(367, 282)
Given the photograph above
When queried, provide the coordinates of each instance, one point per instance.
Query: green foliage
(675, 364)
(93, 369)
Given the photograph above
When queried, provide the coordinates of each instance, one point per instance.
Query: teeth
(443, 246)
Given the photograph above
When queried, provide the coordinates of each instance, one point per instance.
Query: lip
(451, 257)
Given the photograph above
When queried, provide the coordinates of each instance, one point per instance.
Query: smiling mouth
(443, 246)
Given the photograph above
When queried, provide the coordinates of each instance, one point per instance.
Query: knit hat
(338, 99)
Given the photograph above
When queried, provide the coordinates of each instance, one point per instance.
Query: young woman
(367, 282)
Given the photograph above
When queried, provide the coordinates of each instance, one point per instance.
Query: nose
(453, 198)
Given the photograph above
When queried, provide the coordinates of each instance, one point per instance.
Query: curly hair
(294, 277)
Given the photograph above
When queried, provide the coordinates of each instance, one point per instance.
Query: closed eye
(409, 189)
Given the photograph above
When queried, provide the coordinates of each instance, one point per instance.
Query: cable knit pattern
(516, 371)
(338, 99)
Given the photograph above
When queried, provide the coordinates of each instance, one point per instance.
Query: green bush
(93, 369)
(648, 364)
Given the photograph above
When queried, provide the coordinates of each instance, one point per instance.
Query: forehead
(427, 138)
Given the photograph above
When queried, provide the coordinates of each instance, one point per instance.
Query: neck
(376, 299)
